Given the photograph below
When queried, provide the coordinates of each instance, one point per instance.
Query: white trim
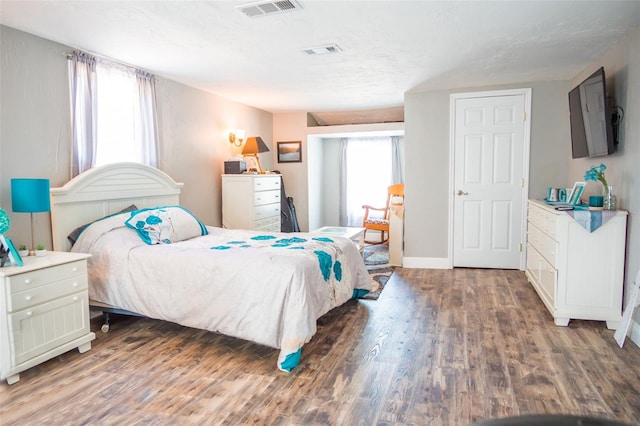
(426, 262)
(635, 333)
(526, 92)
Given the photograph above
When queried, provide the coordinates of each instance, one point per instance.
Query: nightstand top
(52, 258)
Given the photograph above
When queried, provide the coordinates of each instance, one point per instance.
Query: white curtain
(83, 95)
(396, 161)
(368, 174)
(343, 208)
(113, 110)
(147, 133)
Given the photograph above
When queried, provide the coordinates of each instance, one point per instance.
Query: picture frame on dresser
(7, 245)
(576, 193)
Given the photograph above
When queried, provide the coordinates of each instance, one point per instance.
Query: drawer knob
(29, 313)
(74, 269)
(27, 281)
(75, 284)
(28, 298)
(75, 298)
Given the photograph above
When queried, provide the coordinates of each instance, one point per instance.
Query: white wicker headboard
(104, 190)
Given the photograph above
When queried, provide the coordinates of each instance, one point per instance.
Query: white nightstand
(44, 311)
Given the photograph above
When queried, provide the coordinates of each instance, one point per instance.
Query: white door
(489, 180)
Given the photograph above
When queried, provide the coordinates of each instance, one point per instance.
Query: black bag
(288, 218)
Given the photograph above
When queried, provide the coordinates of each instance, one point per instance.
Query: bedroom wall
(34, 122)
(194, 128)
(427, 159)
(35, 135)
(622, 70)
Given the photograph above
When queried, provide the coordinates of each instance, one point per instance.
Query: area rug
(376, 259)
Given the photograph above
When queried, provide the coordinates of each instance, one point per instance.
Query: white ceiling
(388, 47)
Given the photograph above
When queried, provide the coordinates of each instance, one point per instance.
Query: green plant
(40, 247)
(22, 247)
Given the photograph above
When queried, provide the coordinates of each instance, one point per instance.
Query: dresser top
(32, 263)
(552, 209)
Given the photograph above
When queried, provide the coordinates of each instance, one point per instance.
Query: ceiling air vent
(322, 50)
(263, 8)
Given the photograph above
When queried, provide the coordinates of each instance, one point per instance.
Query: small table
(354, 234)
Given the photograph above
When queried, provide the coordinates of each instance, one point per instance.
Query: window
(369, 163)
(117, 99)
(113, 113)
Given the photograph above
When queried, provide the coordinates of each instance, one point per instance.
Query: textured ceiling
(388, 47)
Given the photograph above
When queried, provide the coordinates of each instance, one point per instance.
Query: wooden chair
(380, 222)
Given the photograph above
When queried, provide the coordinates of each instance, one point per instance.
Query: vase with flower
(596, 174)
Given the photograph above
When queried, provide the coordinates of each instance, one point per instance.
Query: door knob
(461, 192)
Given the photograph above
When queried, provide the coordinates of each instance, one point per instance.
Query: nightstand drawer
(40, 277)
(266, 197)
(44, 327)
(266, 183)
(45, 293)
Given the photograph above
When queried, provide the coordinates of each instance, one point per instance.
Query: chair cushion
(375, 221)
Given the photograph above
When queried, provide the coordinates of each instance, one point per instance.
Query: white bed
(269, 288)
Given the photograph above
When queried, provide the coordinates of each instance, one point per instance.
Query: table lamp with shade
(254, 146)
(30, 196)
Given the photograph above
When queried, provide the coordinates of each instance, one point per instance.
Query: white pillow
(165, 225)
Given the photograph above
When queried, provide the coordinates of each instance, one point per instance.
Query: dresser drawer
(536, 216)
(37, 278)
(549, 223)
(544, 275)
(534, 235)
(269, 210)
(267, 183)
(549, 249)
(266, 197)
(270, 224)
(38, 295)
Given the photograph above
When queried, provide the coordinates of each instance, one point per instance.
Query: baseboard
(426, 262)
(635, 333)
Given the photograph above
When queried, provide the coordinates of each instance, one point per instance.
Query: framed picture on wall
(290, 152)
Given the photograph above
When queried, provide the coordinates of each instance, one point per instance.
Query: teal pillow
(165, 225)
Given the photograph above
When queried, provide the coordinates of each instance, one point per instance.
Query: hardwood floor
(439, 347)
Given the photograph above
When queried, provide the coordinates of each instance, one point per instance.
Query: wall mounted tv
(590, 117)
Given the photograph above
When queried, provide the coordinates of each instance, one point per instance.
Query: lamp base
(257, 162)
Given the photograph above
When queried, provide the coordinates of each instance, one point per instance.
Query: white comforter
(268, 288)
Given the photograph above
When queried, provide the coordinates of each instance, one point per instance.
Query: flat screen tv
(590, 118)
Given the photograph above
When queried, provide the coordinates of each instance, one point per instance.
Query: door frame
(526, 92)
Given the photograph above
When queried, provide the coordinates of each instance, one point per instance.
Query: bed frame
(102, 191)
(105, 190)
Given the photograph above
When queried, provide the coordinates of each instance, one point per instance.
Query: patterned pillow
(165, 225)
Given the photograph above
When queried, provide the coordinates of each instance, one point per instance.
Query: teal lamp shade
(30, 195)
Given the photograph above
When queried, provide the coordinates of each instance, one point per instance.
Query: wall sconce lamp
(30, 196)
(236, 137)
(254, 146)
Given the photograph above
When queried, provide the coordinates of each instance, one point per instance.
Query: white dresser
(578, 274)
(251, 202)
(44, 311)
